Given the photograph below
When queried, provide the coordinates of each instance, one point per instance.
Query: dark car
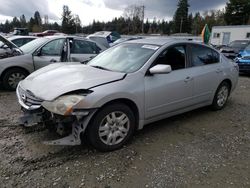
(46, 33)
(243, 60)
(234, 48)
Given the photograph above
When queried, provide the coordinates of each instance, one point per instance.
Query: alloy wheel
(15, 78)
(222, 96)
(114, 128)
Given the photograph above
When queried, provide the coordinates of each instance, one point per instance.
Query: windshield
(239, 44)
(124, 58)
(33, 45)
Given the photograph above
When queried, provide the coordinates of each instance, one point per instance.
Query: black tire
(92, 132)
(10, 74)
(217, 104)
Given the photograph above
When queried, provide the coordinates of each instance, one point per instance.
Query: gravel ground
(201, 148)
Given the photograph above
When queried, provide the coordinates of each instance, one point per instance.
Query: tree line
(236, 12)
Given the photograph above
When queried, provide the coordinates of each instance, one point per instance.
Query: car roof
(74, 37)
(160, 41)
(20, 37)
(65, 36)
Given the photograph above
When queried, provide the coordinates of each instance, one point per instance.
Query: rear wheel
(12, 77)
(221, 96)
(111, 128)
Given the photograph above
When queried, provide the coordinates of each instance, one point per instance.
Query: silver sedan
(124, 88)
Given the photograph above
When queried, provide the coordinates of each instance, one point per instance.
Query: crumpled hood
(57, 79)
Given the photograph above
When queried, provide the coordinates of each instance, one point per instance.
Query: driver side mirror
(160, 69)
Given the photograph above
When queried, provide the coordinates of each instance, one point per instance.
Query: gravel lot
(201, 148)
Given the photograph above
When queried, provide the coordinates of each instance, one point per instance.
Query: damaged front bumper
(43, 117)
(36, 111)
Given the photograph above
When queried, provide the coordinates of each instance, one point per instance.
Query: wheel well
(229, 82)
(130, 104)
(21, 68)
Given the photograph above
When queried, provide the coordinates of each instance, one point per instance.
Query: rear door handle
(188, 78)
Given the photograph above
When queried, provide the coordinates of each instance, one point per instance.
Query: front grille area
(28, 98)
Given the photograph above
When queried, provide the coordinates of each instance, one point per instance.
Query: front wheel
(12, 77)
(111, 128)
(221, 96)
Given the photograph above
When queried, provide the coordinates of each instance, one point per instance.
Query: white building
(223, 35)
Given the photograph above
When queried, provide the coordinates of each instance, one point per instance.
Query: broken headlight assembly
(64, 105)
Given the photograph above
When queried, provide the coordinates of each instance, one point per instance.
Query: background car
(46, 33)
(21, 40)
(243, 60)
(21, 31)
(126, 87)
(44, 51)
(234, 48)
(105, 37)
(8, 48)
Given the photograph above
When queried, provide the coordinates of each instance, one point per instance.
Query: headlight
(63, 105)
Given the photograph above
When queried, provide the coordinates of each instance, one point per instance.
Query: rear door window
(53, 48)
(202, 55)
(83, 47)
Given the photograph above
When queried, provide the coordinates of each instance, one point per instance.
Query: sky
(102, 10)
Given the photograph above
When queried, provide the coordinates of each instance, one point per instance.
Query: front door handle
(53, 60)
(218, 70)
(188, 78)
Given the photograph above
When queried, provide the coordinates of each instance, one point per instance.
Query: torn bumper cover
(29, 120)
(42, 117)
(63, 114)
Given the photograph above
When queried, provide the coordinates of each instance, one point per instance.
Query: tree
(37, 18)
(134, 15)
(237, 12)
(146, 26)
(7, 27)
(181, 17)
(77, 23)
(68, 22)
(31, 23)
(198, 24)
(15, 22)
(23, 21)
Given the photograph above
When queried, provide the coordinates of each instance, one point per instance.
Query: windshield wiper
(100, 67)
